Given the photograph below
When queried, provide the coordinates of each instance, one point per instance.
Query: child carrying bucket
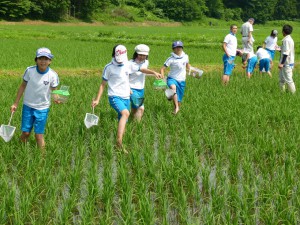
(38, 82)
(179, 64)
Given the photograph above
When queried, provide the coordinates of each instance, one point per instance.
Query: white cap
(142, 49)
(121, 54)
(44, 52)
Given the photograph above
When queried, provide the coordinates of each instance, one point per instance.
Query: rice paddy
(231, 155)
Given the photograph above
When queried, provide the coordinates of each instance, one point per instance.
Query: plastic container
(195, 72)
(169, 93)
(61, 95)
(160, 84)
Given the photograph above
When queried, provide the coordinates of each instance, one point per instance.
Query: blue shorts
(271, 53)
(140, 93)
(251, 64)
(34, 118)
(119, 104)
(228, 64)
(264, 64)
(180, 87)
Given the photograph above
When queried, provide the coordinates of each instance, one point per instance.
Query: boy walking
(286, 63)
(38, 82)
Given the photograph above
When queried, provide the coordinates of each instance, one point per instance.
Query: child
(251, 60)
(38, 82)
(116, 75)
(264, 59)
(270, 43)
(178, 63)
(286, 63)
(139, 63)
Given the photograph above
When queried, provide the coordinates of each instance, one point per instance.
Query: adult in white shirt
(247, 35)
(270, 43)
(287, 57)
(230, 51)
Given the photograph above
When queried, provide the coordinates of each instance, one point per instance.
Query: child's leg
(24, 136)
(40, 140)
(175, 99)
(225, 79)
(121, 126)
(138, 113)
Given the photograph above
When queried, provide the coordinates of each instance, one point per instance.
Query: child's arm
(188, 67)
(162, 71)
(100, 92)
(147, 71)
(22, 87)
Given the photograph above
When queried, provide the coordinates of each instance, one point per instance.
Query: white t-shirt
(137, 79)
(262, 54)
(117, 77)
(287, 48)
(231, 44)
(37, 93)
(177, 66)
(246, 28)
(271, 42)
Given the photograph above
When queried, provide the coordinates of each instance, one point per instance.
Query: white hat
(142, 49)
(121, 54)
(44, 52)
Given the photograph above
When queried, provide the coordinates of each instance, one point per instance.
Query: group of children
(264, 54)
(125, 80)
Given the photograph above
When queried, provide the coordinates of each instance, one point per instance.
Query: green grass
(229, 157)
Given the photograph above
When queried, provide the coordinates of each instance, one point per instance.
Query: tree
(286, 10)
(215, 9)
(182, 10)
(14, 9)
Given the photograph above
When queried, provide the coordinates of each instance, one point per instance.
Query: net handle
(11, 115)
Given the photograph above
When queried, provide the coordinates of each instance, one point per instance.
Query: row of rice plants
(230, 156)
(90, 46)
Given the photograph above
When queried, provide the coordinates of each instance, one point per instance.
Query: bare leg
(40, 142)
(138, 113)
(270, 74)
(121, 128)
(225, 79)
(24, 136)
(175, 100)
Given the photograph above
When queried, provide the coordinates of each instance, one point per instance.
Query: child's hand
(13, 108)
(57, 102)
(158, 76)
(95, 102)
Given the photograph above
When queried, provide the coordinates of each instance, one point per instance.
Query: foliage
(176, 10)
